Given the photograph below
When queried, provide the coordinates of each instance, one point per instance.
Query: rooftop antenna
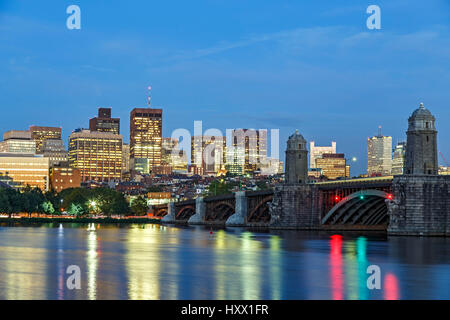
(149, 95)
(379, 131)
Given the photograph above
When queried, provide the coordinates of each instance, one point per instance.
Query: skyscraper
(247, 148)
(398, 158)
(172, 156)
(98, 155)
(317, 152)
(208, 153)
(26, 169)
(333, 165)
(39, 134)
(104, 122)
(379, 155)
(145, 139)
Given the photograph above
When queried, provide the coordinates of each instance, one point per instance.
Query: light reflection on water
(168, 262)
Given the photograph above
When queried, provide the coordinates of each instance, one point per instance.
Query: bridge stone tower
(421, 197)
(421, 145)
(296, 160)
(295, 204)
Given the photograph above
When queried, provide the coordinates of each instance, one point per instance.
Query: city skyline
(256, 73)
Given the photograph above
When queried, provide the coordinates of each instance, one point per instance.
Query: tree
(139, 206)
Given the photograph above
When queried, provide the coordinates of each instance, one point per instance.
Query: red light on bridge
(337, 198)
(390, 196)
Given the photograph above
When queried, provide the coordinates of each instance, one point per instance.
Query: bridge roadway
(348, 204)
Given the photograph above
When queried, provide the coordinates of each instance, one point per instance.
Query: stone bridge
(351, 203)
(244, 208)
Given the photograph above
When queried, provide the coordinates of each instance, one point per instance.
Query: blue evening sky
(307, 65)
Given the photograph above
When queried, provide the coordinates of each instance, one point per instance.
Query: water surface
(172, 262)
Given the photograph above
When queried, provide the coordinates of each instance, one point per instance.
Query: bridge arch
(221, 211)
(185, 212)
(261, 211)
(364, 207)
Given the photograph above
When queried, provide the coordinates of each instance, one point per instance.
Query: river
(178, 262)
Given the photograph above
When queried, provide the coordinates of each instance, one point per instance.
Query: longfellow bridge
(340, 204)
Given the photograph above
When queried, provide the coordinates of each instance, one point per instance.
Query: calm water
(168, 262)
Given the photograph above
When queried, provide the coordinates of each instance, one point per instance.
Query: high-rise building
(208, 154)
(98, 155)
(145, 139)
(333, 165)
(26, 169)
(54, 150)
(172, 156)
(296, 160)
(317, 152)
(39, 134)
(17, 141)
(421, 143)
(104, 122)
(125, 157)
(398, 158)
(247, 147)
(379, 155)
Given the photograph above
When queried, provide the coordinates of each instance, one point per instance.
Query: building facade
(18, 141)
(98, 155)
(379, 155)
(54, 150)
(316, 152)
(39, 134)
(104, 123)
(333, 165)
(145, 139)
(247, 150)
(172, 156)
(62, 176)
(208, 154)
(398, 158)
(125, 157)
(26, 169)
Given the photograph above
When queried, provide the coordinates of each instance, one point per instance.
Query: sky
(307, 65)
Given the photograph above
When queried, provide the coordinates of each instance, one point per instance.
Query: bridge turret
(421, 145)
(296, 160)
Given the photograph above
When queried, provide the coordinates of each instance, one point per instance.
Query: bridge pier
(171, 213)
(239, 218)
(420, 206)
(200, 211)
(295, 206)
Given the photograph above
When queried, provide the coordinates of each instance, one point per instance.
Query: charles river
(174, 262)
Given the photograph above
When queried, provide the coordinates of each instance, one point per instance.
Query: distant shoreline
(80, 220)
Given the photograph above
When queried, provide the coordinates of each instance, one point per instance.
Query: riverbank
(80, 220)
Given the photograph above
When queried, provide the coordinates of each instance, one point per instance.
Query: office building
(98, 155)
(379, 155)
(125, 157)
(316, 152)
(172, 156)
(62, 176)
(333, 165)
(208, 154)
(398, 158)
(54, 150)
(18, 141)
(26, 169)
(39, 134)
(248, 148)
(104, 123)
(145, 139)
